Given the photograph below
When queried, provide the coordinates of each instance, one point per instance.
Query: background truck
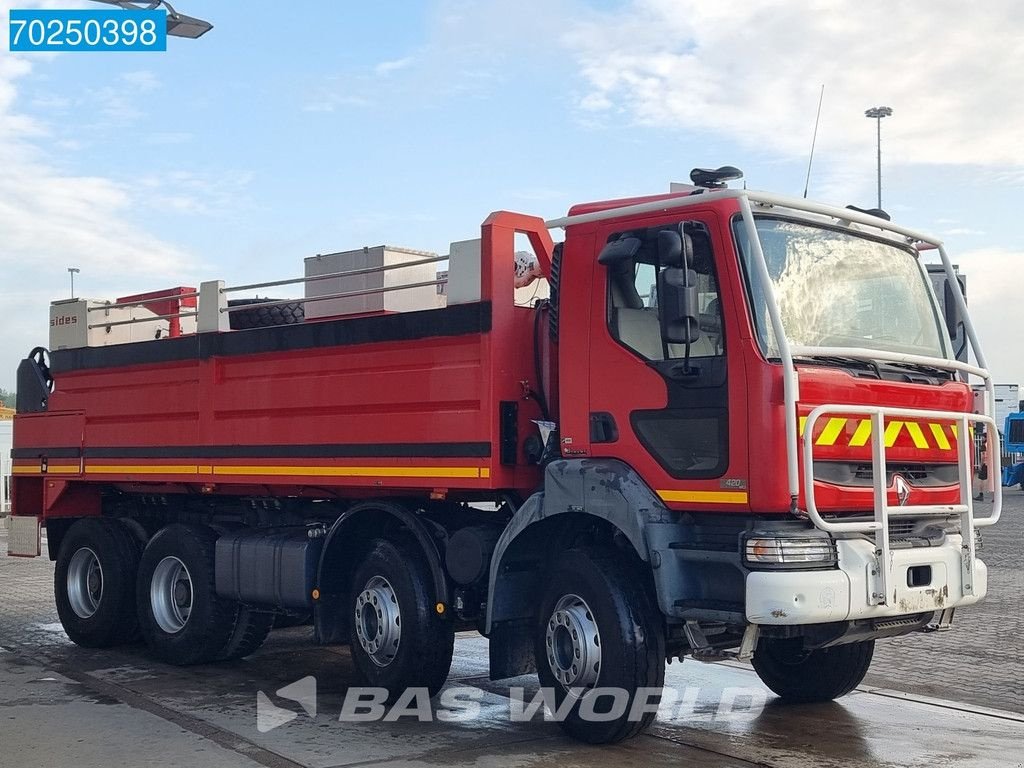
(735, 427)
(1013, 466)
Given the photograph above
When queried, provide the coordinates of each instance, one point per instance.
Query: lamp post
(178, 24)
(73, 271)
(877, 113)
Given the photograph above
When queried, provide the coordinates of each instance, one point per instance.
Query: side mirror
(951, 309)
(619, 250)
(670, 248)
(677, 288)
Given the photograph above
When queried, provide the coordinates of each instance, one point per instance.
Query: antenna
(814, 139)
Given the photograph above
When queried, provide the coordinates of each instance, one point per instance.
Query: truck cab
(798, 402)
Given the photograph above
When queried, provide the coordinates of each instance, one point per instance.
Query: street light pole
(73, 271)
(877, 113)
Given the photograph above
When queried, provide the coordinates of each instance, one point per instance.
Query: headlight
(778, 552)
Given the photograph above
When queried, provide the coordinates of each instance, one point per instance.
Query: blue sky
(292, 129)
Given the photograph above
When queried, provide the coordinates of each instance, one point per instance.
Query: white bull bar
(881, 571)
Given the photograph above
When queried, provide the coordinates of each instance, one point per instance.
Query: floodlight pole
(877, 113)
(73, 271)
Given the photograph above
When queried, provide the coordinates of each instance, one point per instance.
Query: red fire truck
(735, 427)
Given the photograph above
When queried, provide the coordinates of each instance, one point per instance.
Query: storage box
(379, 284)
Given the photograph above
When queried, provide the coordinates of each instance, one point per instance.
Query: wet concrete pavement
(63, 705)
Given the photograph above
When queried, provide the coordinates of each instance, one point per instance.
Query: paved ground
(62, 705)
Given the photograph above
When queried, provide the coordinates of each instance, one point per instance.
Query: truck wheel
(258, 316)
(180, 614)
(251, 629)
(94, 583)
(598, 630)
(397, 638)
(798, 675)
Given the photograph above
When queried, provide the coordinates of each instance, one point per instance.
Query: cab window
(633, 299)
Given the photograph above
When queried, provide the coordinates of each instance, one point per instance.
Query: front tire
(822, 674)
(182, 618)
(398, 639)
(94, 583)
(598, 630)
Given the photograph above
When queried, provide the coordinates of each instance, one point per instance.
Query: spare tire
(257, 315)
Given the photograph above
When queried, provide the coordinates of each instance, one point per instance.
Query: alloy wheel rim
(378, 621)
(573, 644)
(171, 595)
(85, 583)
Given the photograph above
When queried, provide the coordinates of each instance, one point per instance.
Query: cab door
(667, 409)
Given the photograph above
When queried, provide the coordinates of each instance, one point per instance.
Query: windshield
(841, 289)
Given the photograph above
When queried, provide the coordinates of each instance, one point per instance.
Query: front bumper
(844, 594)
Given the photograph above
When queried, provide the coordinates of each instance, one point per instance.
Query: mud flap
(24, 538)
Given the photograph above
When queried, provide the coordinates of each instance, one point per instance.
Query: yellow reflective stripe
(940, 436)
(715, 497)
(892, 431)
(450, 472)
(917, 435)
(862, 433)
(831, 432)
(803, 423)
(277, 471)
(52, 469)
(141, 469)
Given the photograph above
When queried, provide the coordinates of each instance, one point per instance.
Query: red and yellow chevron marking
(839, 430)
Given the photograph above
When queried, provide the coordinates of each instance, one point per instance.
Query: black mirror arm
(689, 322)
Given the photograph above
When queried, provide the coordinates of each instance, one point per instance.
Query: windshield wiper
(842, 362)
(920, 367)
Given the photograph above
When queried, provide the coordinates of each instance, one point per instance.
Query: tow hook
(944, 624)
(701, 649)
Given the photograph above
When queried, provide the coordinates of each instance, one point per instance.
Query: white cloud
(752, 72)
(387, 67)
(993, 296)
(143, 80)
(211, 194)
(471, 51)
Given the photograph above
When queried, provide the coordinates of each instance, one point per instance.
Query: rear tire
(251, 629)
(182, 618)
(398, 639)
(94, 583)
(598, 628)
(801, 676)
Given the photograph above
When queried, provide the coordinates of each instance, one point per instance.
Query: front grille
(912, 472)
(861, 475)
(901, 529)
